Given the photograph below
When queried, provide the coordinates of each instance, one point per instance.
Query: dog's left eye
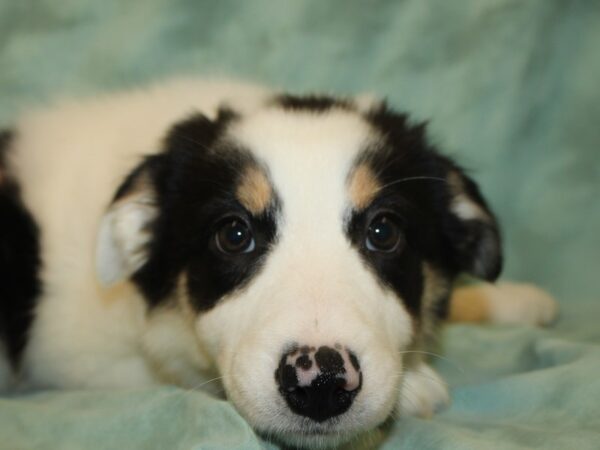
(234, 236)
(383, 234)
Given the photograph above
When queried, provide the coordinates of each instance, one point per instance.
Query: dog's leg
(517, 303)
(423, 392)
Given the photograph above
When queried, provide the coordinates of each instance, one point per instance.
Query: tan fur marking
(436, 288)
(469, 304)
(364, 185)
(254, 192)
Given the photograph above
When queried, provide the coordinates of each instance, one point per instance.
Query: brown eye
(234, 237)
(383, 235)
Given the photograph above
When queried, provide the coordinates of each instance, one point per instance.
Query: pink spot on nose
(352, 375)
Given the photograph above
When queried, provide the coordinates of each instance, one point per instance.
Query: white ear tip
(108, 279)
(109, 262)
(109, 275)
(122, 243)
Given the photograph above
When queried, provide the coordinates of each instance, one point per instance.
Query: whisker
(402, 180)
(416, 372)
(198, 386)
(443, 358)
(194, 141)
(427, 377)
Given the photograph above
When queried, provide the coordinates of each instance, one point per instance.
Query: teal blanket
(512, 89)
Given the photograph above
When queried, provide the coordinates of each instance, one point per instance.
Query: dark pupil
(234, 236)
(383, 233)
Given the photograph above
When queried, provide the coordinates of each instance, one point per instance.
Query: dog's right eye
(234, 237)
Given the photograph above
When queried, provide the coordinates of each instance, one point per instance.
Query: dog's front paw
(423, 392)
(508, 303)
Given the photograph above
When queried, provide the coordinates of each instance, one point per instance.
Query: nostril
(329, 360)
(354, 361)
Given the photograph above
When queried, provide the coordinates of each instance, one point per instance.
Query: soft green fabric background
(512, 89)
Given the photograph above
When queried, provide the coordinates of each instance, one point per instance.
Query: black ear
(465, 227)
(470, 232)
(128, 228)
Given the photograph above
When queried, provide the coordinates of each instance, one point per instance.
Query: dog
(303, 248)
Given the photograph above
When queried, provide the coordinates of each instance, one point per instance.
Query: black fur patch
(19, 261)
(311, 103)
(416, 193)
(401, 269)
(195, 180)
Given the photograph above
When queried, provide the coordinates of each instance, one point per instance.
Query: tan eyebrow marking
(254, 191)
(363, 186)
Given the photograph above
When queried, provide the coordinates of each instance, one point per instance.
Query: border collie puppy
(303, 248)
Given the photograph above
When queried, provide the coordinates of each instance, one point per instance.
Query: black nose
(319, 384)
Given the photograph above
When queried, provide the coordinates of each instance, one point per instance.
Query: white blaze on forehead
(313, 286)
(313, 271)
(309, 156)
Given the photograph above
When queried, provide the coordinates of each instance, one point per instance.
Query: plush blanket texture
(511, 88)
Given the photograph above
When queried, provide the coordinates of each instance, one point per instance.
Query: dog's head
(314, 239)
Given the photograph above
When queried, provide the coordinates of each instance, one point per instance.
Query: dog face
(314, 240)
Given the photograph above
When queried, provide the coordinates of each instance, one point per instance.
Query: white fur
(342, 302)
(462, 205)
(88, 335)
(122, 239)
(466, 209)
(71, 158)
(169, 342)
(313, 289)
(423, 392)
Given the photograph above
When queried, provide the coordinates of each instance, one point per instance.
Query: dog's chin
(270, 417)
(275, 422)
(311, 436)
(302, 432)
(313, 441)
(317, 436)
